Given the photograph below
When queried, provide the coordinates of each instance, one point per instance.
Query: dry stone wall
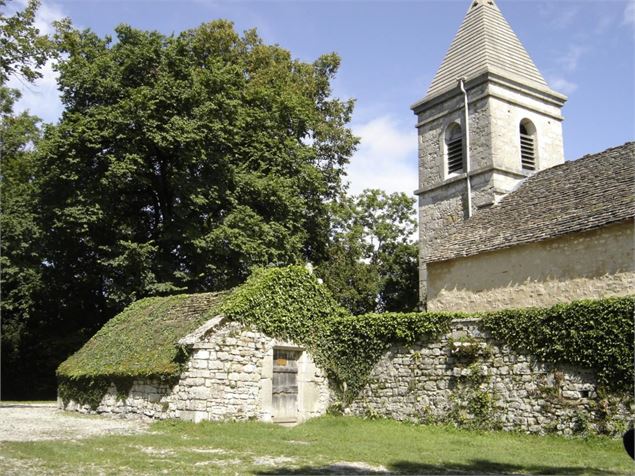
(467, 378)
(227, 377)
(464, 377)
(144, 398)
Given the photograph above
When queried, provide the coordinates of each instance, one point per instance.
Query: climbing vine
(352, 345)
(593, 334)
(290, 304)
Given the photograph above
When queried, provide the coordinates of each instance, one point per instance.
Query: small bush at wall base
(84, 391)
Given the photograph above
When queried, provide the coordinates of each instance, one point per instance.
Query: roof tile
(580, 195)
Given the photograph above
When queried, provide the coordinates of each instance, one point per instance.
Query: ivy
(594, 334)
(353, 345)
(85, 391)
(287, 303)
(290, 304)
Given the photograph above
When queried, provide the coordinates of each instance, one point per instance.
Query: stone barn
(182, 357)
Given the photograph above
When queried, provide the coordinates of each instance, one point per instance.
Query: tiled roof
(580, 195)
(485, 42)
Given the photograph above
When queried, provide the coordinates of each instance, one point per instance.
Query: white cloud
(42, 97)
(557, 16)
(567, 64)
(386, 157)
(562, 85)
(629, 13)
(569, 61)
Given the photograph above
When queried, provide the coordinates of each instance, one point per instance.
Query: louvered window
(527, 148)
(454, 148)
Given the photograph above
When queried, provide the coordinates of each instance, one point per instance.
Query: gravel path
(43, 421)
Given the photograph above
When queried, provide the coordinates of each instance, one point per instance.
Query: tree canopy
(180, 164)
(372, 259)
(23, 49)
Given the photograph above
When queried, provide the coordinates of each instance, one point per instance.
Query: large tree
(180, 163)
(25, 345)
(372, 259)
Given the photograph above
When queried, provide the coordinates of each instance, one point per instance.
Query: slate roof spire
(485, 42)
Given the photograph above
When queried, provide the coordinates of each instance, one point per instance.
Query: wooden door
(285, 385)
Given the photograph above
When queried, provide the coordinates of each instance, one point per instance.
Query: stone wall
(228, 376)
(591, 265)
(145, 398)
(467, 378)
(463, 377)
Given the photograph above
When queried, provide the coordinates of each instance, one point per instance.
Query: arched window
(527, 145)
(454, 148)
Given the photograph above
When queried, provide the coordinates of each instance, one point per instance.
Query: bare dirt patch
(43, 421)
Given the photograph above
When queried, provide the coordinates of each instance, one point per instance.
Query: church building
(503, 220)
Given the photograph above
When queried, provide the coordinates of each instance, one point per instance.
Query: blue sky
(390, 51)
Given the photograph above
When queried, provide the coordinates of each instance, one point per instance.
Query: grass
(319, 446)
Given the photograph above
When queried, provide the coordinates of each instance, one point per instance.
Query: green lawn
(323, 445)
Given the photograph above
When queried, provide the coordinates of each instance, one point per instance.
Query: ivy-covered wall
(566, 368)
(467, 378)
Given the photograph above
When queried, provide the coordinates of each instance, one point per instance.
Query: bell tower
(488, 121)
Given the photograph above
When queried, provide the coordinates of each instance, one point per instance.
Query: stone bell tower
(488, 121)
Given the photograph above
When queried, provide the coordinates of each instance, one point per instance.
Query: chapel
(503, 220)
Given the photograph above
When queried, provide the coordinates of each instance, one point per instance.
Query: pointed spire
(485, 42)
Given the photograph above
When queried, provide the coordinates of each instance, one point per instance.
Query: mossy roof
(142, 341)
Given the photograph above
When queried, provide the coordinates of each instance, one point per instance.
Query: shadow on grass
(479, 466)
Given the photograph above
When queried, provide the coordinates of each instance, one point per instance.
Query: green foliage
(23, 50)
(142, 340)
(355, 284)
(287, 303)
(372, 259)
(352, 345)
(180, 163)
(20, 247)
(85, 391)
(183, 162)
(593, 334)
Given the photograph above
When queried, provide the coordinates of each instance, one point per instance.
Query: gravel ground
(43, 421)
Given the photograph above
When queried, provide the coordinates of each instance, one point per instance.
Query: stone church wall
(590, 265)
(465, 377)
(228, 377)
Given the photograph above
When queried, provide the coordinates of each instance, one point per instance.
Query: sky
(390, 51)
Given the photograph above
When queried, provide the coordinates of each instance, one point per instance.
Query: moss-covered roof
(142, 340)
